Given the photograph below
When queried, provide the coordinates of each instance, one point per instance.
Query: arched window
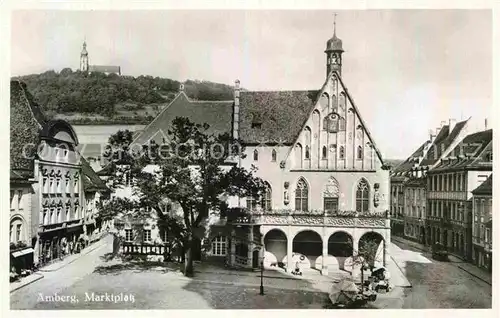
(219, 245)
(308, 153)
(341, 152)
(323, 152)
(360, 153)
(325, 123)
(16, 230)
(266, 198)
(301, 196)
(331, 196)
(273, 155)
(362, 196)
(252, 202)
(255, 155)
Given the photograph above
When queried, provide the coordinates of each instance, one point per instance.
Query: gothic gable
(334, 137)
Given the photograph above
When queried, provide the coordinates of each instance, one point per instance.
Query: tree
(195, 169)
(366, 256)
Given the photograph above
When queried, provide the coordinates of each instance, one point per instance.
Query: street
(92, 282)
(440, 284)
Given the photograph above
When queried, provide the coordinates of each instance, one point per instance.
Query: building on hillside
(87, 68)
(43, 153)
(408, 180)
(449, 197)
(328, 187)
(482, 224)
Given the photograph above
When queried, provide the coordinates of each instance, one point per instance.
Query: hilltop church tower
(334, 52)
(84, 58)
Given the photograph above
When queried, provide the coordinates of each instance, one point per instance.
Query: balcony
(241, 216)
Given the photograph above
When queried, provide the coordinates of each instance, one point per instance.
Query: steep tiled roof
(486, 187)
(474, 145)
(408, 164)
(442, 143)
(26, 124)
(217, 114)
(281, 115)
(91, 181)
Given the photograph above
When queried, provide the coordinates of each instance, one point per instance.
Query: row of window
(59, 215)
(54, 185)
(307, 155)
(415, 196)
(416, 211)
(129, 235)
(482, 207)
(481, 234)
(452, 210)
(447, 182)
(330, 197)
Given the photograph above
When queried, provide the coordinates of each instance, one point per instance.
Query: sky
(407, 70)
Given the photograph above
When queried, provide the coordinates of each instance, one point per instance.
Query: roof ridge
(211, 101)
(158, 116)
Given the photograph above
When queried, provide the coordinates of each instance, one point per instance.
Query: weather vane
(335, 23)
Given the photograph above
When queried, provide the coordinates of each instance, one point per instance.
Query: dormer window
(255, 155)
(256, 125)
(489, 157)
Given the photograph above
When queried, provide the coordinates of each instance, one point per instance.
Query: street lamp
(262, 277)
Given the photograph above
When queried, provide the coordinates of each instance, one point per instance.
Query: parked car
(439, 253)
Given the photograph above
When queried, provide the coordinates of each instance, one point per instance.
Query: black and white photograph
(243, 158)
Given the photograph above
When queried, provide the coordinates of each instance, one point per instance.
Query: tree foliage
(97, 93)
(193, 168)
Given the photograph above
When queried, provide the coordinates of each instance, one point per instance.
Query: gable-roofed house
(449, 199)
(482, 224)
(327, 185)
(409, 185)
(45, 162)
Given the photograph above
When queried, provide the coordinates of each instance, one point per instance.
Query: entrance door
(255, 259)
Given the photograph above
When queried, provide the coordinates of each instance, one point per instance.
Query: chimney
(486, 124)
(452, 122)
(181, 87)
(438, 130)
(432, 135)
(443, 123)
(236, 109)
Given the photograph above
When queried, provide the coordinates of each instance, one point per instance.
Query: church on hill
(327, 185)
(85, 67)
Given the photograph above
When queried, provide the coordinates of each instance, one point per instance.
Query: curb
(402, 273)
(476, 276)
(31, 282)
(96, 246)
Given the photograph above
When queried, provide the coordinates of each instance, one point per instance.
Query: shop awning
(23, 252)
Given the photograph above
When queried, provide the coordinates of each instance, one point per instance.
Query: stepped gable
(217, 114)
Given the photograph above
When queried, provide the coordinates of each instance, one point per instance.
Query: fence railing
(145, 249)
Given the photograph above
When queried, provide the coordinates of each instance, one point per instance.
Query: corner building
(327, 185)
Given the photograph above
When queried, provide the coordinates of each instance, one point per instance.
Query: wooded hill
(98, 98)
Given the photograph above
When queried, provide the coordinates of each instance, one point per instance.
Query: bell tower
(334, 52)
(84, 58)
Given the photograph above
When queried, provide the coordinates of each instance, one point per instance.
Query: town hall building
(327, 185)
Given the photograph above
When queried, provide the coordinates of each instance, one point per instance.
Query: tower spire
(335, 24)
